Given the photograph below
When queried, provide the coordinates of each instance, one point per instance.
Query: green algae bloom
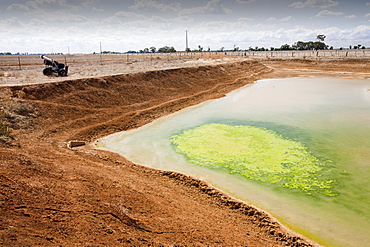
(256, 153)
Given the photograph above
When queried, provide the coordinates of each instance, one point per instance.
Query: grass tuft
(4, 127)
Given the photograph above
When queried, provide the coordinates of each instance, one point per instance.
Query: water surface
(329, 116)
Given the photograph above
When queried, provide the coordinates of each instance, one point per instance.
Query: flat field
(27, 69)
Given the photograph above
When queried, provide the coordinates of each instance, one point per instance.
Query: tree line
(299, 45)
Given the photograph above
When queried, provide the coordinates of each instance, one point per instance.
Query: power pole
(187, 45)
(101, 59)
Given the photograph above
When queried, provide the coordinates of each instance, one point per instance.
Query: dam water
(329, 116)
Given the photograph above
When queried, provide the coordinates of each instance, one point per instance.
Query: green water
(323, 193)
(257, 154)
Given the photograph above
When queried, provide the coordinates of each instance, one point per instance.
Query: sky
(81, 26)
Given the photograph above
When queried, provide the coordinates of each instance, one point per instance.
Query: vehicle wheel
(62, 73)
(47, 71)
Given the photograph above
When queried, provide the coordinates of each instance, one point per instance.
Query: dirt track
(51, 195)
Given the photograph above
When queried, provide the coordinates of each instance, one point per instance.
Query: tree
(285, 47)
(153, 49)
(167, 49)
(320, 46)
(145, 50)
(200, 48)
(321, 37)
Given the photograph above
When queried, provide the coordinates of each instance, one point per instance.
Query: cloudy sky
(79, 26)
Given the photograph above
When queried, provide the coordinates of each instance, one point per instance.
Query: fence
(14, 62)
(320, 54)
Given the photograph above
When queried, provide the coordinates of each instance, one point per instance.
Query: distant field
(27, 69)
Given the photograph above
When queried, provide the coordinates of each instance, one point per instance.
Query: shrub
(4, 128)
(22, 108)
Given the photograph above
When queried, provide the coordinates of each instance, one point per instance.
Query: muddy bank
(52, 195)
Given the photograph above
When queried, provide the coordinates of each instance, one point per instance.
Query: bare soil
(55, 196)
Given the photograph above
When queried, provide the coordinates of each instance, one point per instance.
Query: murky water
(329, 116)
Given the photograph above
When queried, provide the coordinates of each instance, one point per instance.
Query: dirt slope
(54, 196)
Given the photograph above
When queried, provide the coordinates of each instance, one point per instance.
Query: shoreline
(109, 193)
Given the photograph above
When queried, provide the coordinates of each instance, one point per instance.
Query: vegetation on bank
(15, 115)
(4, 126)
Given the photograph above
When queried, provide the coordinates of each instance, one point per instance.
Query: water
(329, 116)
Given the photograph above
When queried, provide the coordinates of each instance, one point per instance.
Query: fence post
(19, 62)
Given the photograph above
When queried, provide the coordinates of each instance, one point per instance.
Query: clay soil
(55, 196)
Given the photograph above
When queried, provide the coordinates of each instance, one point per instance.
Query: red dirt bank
(54, 196)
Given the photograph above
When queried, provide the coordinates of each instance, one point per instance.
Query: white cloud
(328, 13)
(215, 34)
(297, 5)
(54, 10)
(126, 14)
(121, 17)
(37, 22)
(184, 19)
(287, 18)
(12, 22)
(315, 3)
(245, 19)
(152, 6)
(62, 16)
(246, 1)
(53, 5)
(133, 28)
(16, 6)
(212, 7)
(284, 19)
(95, 9)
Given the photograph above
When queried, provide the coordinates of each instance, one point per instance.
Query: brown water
(329, 116)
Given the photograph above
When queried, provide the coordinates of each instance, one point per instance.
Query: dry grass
(89, 65)
(83, 66)
(13, 114)
(4, 127)
(21, 108)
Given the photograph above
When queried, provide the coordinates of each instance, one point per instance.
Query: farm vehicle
(53, 67)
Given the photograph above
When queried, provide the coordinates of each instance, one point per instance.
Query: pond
(325, 121)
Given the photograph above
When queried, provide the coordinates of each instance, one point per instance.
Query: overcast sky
(45, 26)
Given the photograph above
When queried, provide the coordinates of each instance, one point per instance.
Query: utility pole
(187, 45)
(101, 59)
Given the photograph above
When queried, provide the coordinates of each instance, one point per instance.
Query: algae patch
(255, 153)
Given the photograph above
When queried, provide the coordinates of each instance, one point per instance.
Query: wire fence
(19, 62)
(21, 69)
(319, 54)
